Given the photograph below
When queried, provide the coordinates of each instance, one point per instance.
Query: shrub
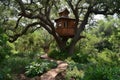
(74, 70)
(11, 66)
(5, 74)
(80, 57)
(4, 47)
(59, 55)
(74, 73)
(38, 68)
(102, 72)
(108, 57)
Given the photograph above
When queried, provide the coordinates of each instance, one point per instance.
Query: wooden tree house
(65, 26)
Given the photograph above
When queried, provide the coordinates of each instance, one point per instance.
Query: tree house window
(66, 24)
(59, 24)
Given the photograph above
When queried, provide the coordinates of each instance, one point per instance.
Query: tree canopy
(29, 15)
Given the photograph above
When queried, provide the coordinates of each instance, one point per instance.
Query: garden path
(50, 75)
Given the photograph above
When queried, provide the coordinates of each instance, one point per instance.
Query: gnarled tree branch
(15, 37)
(17, 23)
(20, 2)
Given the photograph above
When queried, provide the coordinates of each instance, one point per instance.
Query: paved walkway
(50, 75)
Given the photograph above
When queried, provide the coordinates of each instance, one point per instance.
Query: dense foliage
(39, 67)
(98, 56)
(25, 37)
(4, 48)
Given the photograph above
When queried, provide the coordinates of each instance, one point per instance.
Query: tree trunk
(71, 50)
(62, 44)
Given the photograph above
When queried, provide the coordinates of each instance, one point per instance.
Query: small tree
(41, 13)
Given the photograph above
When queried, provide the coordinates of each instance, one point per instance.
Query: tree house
(65, 26)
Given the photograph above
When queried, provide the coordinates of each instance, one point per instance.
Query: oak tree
(41, 13)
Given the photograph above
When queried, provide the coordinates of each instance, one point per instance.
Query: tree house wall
(66, 32)
(70, 23)
(65, 26)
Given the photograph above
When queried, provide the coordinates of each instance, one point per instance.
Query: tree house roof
(65, 18)
(64, 10)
